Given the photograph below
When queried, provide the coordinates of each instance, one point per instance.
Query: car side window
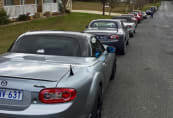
(96, 46)
(122, 25)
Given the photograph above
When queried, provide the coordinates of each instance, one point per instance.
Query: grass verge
(97, 6)
(148, 6)
(70, 22)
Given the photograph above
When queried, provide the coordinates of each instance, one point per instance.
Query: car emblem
(93, 40)
(4, 83)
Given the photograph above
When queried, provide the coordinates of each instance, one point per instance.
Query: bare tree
(104, 3)
(64, 3)
(112, 5)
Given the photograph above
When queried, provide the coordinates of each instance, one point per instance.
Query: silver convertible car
(54, 74)
(110, 32)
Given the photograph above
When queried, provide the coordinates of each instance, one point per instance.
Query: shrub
(38, 15)
(67, 11)
(3, 17)
(47, 14)
(23, 17)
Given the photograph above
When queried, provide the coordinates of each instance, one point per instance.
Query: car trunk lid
(102, 35)
(22, 76)
(30, 67)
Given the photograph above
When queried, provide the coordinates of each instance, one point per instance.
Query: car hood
(39, 67)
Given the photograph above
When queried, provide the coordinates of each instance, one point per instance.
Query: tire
(123, 50)
(127, 42)
(114, 70)
(96, 113)
(132, 35)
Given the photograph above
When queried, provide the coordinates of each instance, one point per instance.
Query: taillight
(57, 95)
(129, 26)
(133, 18)
(114, 37)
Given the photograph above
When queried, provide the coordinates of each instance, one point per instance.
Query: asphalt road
(144, 82)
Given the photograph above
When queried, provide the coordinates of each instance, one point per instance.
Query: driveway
(144, 84)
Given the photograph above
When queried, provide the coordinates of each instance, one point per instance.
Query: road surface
(144, 83)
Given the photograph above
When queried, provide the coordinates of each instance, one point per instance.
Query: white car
(131, 27)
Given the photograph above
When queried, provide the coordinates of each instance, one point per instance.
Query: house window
(8, 2)
(49, 1)
(22, 2)
(36, 2)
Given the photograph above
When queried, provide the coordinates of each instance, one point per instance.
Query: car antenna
(71, 70)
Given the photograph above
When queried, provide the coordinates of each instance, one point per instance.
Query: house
(14, 8)
(1, 4)
(123, 0)
(129, 1)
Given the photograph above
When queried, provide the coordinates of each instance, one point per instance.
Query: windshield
(104, 24)
(47, 45)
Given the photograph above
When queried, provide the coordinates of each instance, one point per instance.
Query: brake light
(114, 37)
(133, 18)
(57, 95)
(129, 26)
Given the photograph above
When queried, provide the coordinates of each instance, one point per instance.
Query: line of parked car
(116, 31)
(60, 74)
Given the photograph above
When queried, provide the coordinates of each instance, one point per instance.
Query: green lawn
(97, 6)
(70, 22)
(147, 6)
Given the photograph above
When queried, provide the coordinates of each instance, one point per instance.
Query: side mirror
(97, 54)
(111, 50)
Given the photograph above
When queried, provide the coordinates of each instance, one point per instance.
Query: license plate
(101, 37)
(11, 94)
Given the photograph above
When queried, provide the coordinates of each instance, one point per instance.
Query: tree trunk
(64, 5)
(103, 2)
(110, 11)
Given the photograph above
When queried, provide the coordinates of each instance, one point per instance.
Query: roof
(136, 10)
(53, 32)
(106, 20)
(123, 16)
(67, 33)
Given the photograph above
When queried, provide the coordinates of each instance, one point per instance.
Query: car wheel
(127, 42)
(131, 35)
(96, 113)
(114, 70)
(123, 50)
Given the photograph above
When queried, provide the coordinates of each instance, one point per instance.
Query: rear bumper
(117, 44)
(131, 31)
(44, 111)
(40, 116)
(145, 17)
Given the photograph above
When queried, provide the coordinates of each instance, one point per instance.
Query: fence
(52, 7)
(13, 11)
